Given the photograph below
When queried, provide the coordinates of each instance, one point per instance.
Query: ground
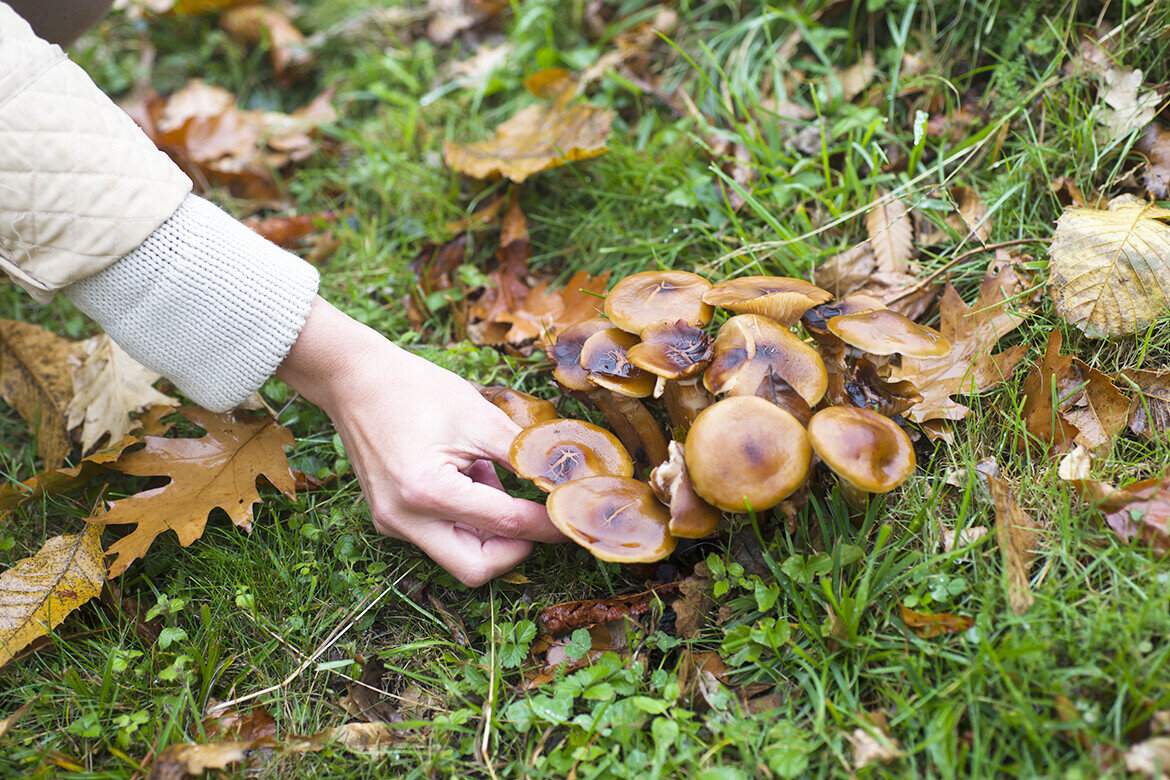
(972, 94)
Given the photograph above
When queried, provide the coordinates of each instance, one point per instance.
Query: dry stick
(960, 258)
(487, 707)
(329, 642)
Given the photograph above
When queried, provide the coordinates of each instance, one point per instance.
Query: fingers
(492, 439)
(471, 558)
(484, 472)
(457, 497)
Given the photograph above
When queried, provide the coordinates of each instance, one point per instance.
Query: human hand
(422, 442)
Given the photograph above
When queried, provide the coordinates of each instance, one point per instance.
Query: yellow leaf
(38, 592)
(36, 380)
(1110, 268)
(1018, 536)
(60, 480)
(190, 758)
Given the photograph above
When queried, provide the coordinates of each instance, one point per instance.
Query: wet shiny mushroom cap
(816, 319)
(566, 353)
(644, 298)
(604, 359)
(749, 346)
(745, 452)
(780, 298)
(522, 408)
(862, 447)
(886, 332)
(558, 451)
(690, 516)
(672, 350)
(615, 518)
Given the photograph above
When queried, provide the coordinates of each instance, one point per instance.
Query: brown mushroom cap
(644, 298)
(522, 408)
(558, 451)
(566, 353)
(690, 516)
(615, 518)
(816, 319)
(744, 452)
(864, 448)
(603, 357)
(749, 346)
(780, 298)
(672, 350)
(864, 387)
(886, 332)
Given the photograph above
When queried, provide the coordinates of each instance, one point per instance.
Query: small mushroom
(676, 353)
(750, 346)
(886, 332)
(746, 453)
(644, 298)
(690, 516)
(869, 452)
(615, 518)
(566, 354)
(780, 298)
(816, 319)
(522, 408)
(558, 451)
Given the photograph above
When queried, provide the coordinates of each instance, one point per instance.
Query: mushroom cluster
(750, 410)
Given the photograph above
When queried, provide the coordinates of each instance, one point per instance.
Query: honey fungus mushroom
(603, 357)
(522, 408)
(749, 346)
(746, 453)
(868, 451)
(616, 518)
(648, 297)
(558, 451)
(780, 298)
(886, 332)
(690, 516)
(676, 353)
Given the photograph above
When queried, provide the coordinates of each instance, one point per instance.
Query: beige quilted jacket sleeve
(80, 184)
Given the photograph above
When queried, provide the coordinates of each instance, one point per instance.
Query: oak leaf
(253, 24)
(931, 624)
(1149, 412)
(1128, 106)
(1137, 511)
(107, 387)
(191, 758)
(971, 367)
(38, 592)
(536, 139)
(36, 379)
(59, 480)
(891, 232)
(1110, 268)
(1018, 535)
(219, 469)
(1155, 145)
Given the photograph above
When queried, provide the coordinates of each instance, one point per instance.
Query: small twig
(487, 707)
(329, 642)
(960, 258)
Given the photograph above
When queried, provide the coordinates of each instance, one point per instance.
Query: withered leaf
(290, 231)
(107, 388)
(368, 704)
(930, 625)
(891, 233)
(536, 139)
(190, 758)
(1110, 268)
(1088, 409)
(38, 592)
(60, 480)
(607, 637)
(847, 270)
(219, 469)
(1018, 536)
(253, 24)
(971, 367)
(568, 616)
(1155, 145)
(693, 606)
(361, 737)
(255, 726)
(1149, 411)
(970, 217)
(36, 379)
(7, 723)
(1137, 511)
(1128, 105)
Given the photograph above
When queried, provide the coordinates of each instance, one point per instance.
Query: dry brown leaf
(362, 737)
(568, 616)
(608, 637)
(59, 480)
(970, 217)
(891, 232)
(36, 379)
(1067, 192)
(255, 726)
(857, 77)
(1088, 411)
(971, 367)
(871, 746)
(963, 537)
(1149, 412)
(847, 270)
(1155, 145)
(291, 231)
(190, 758)
(219, 469)
(38, 592)
(107, 388)
(930, 625)
(1137, 511)
(1110, 268)
(536, 139)
(370, 705)
(253, 24)
(11, 720)
(1128, 106)
(1150, 758)
(692, 608)
(1018, 536)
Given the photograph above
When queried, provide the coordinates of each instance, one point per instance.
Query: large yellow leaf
(59, 480)
(36, 379)
(1110, 268)
(38, 592)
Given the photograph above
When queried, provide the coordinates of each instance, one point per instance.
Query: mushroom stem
(685, 398)
(856, 498)
(633, 424)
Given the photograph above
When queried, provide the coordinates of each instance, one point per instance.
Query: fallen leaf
(692, 608)
(536, 139)
(253, 24)
(963, 537)
(1155, 145)
(1088, 409)
(107, 387)
(59, 480)
(1128, 105)
(38, 592)
(1150, 758)
(970, 217)
(544, 313)
(930, 625)
(568, 616)
(368, 704)
(361, 737)
(857, 77)
(1137, 511)
(1110, 268)
(1067, 193)
(873, 744)
(291, 231)
(190, 758)
(891, 232)
(971, 367)
(36, 379)
(1018, 537)
(11, 720)
(256, 727)
(219, 469)
(1076, 465)
(847, 270)
(1149, 411)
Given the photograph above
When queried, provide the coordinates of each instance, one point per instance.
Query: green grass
(981, 703)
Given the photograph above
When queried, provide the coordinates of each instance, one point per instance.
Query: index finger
(457, 497)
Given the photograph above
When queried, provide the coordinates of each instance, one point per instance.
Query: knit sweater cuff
(205, 302)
